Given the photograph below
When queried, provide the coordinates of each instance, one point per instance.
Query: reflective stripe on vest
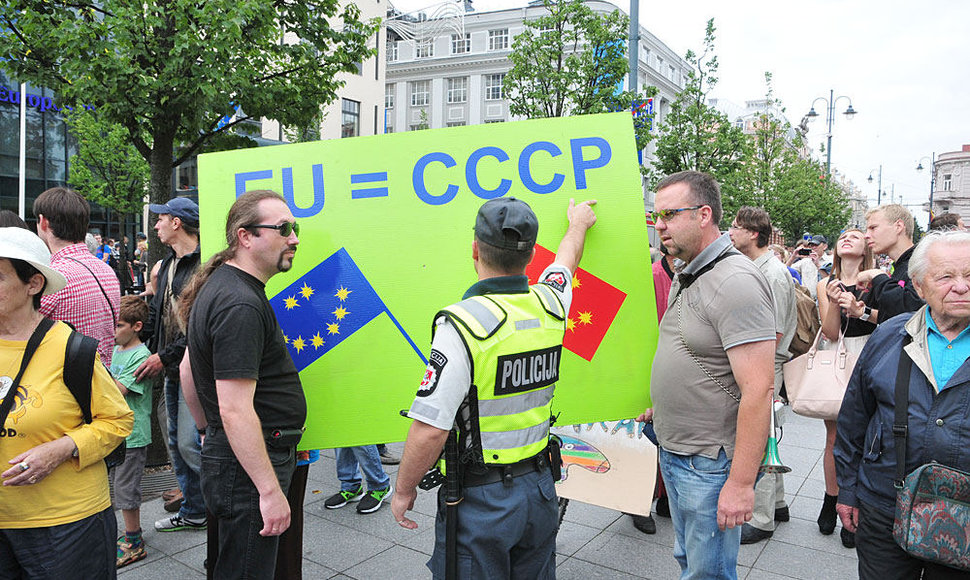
(515, 342)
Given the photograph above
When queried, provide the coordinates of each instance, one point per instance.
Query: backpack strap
(79, 357)
(36, 337)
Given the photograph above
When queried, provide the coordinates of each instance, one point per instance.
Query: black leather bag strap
(901, 423)
(43, 326)
(79, 357)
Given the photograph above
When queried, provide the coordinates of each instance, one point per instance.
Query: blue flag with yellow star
(327, 305)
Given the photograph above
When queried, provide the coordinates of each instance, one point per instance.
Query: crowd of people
(81, 362)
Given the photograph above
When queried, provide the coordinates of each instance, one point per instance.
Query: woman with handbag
(845, 315)
(56, 520)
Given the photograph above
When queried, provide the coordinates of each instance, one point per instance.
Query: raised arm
(581, 218)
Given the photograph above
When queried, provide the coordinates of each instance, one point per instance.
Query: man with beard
(247, 385)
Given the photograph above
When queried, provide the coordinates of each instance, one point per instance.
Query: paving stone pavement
(593, 542)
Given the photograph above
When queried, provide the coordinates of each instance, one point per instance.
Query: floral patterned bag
(932, 520)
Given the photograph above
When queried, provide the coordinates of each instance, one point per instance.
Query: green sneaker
(373, 500)
(343, 497)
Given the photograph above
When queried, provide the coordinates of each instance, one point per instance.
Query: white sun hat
(20, 244)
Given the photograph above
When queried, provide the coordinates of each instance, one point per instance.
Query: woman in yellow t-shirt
(55, 513)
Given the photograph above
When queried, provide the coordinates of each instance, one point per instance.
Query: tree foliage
(793, 189)
(571, 61)
(763, 169)
(170, 71)
(695, 136)
(107, 168)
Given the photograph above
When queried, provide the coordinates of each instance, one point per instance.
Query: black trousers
(881, 558)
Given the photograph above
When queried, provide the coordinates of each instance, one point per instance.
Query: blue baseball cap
(181, 207)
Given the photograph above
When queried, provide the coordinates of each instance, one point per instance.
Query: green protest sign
(385, 242)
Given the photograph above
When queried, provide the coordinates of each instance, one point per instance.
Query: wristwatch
(866, 313)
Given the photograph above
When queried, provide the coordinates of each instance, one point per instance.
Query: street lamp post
(879, 190)
(830, 113)
(919, 167)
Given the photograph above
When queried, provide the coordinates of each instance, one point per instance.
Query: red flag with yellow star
(595, 304)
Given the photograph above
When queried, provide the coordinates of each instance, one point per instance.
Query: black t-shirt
(233, 334)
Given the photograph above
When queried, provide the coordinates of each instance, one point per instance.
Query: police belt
(473, 476)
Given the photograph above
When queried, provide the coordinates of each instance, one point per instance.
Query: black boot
(828, 515)
(848, 538)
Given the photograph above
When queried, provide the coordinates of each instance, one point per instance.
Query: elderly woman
(55, 514)
(938, 410)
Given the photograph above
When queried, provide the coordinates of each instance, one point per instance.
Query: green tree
(570, 62)
(107, 167)
(793, 189)
(695, 136)
(170, 71)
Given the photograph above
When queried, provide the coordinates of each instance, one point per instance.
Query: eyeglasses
(668, 214)
(285, 228)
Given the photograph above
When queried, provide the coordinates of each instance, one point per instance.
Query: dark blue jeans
(234, 501)
(184, 449)
(81, 549)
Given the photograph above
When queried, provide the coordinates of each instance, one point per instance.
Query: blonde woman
(843, 308)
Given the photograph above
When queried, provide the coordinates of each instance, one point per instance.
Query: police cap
(507, 223)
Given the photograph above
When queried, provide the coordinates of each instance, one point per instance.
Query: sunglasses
(668, 214)
(285, 228)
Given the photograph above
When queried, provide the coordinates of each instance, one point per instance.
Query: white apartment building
(452, 80)
(951, 188)
(359, 106)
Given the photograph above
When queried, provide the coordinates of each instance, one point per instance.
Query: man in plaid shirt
(91, 299)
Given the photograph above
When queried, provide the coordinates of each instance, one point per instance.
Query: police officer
(489, 384)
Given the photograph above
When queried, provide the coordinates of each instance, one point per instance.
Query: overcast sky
(905, 65)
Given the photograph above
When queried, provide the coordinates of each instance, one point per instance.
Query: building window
(494, 120)
(493, 87)
(498, 39)
(389, 96)
(739, 123)
(417, 127)
(392, 51)
(673, 71)
(455, 124)
(461, 44)
(947, 181)
(660, 64)
(424, 48)
(420, 94)
(349, 118)
(458, 90)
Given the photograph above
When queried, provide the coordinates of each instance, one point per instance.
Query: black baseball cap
(507, 223)
(181, 207)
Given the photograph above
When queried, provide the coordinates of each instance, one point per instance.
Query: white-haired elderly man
(937, 341)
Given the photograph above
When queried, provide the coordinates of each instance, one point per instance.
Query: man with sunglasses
(712, 378)
(249, 396)
(178, 228)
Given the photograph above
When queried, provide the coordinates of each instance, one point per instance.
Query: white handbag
(816, 381)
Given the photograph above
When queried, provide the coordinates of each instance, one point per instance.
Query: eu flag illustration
(325, 306)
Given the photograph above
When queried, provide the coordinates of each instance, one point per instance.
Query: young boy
(127, 356)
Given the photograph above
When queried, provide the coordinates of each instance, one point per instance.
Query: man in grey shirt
(750, 232)
(712, 378)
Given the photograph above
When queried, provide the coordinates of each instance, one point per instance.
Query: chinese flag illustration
(595, 304)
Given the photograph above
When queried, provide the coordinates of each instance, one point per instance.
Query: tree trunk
(159, 190)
